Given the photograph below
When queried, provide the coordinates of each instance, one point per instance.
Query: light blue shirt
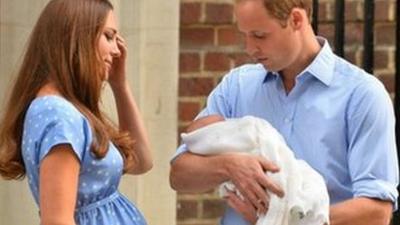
(338, 118)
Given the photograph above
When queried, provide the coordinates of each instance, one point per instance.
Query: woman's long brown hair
(63, 49)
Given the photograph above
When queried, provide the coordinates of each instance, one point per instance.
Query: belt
(98, 203)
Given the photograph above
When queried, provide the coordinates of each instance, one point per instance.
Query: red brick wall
(210, 46)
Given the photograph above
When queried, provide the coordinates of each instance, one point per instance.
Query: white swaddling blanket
(306, 200)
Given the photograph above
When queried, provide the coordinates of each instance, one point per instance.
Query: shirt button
(287, 120)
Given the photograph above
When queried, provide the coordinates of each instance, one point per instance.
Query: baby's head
(204, 121)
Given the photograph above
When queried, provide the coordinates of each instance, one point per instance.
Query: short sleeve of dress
(55, 121)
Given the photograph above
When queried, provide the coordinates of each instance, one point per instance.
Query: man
(332, 114)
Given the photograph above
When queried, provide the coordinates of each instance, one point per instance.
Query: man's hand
(247, 172)
(191, 173)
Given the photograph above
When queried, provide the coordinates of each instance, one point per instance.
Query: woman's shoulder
(50, 111)
(52, 120)
(52, 106)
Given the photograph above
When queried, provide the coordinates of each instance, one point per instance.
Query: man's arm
(193, 173)
(361, 211)
(372, 160)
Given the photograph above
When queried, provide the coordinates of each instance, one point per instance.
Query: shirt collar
(270, 76)
(321, 67)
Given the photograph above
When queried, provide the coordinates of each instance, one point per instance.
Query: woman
(53, 131)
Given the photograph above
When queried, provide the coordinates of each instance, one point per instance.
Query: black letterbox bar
(396, 215)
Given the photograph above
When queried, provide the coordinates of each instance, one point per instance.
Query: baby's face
(204, 121)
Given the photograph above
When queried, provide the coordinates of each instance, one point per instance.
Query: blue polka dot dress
(52, 120)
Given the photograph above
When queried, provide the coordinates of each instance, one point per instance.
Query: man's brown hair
(281, 9)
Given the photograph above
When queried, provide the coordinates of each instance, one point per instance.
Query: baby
(204, 121)
(306, 199)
